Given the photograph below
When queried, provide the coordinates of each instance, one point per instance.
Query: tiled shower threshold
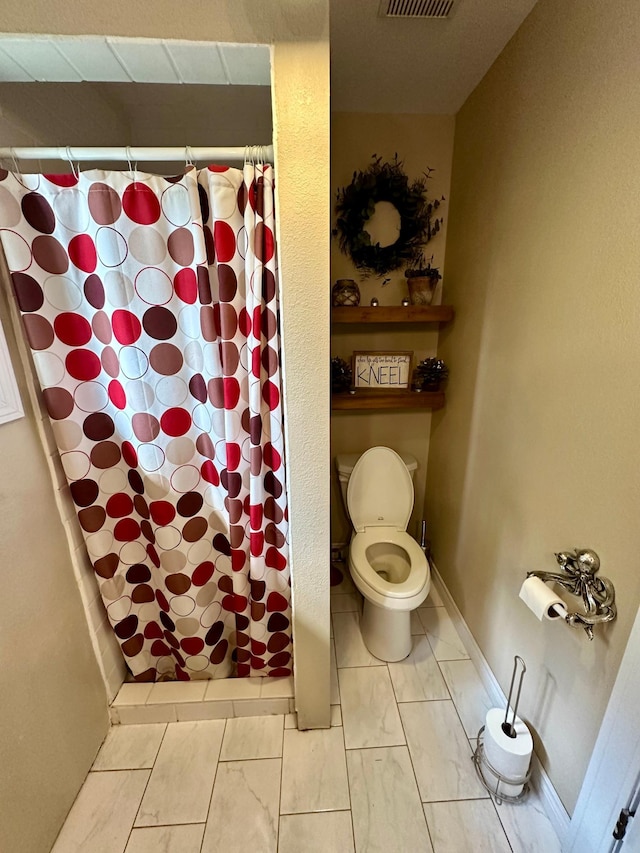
(182, 701)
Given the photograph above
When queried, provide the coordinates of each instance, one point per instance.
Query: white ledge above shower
(76, 59)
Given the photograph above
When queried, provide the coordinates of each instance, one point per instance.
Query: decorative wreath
(356, 204)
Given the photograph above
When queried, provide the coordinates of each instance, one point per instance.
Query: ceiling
(409, 65)
(378, 64)
(72, 59)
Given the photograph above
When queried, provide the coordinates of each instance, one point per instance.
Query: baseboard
(552, 803)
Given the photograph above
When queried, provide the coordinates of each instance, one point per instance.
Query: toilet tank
(345, 463)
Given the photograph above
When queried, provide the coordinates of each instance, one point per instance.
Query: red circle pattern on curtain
(151, 309)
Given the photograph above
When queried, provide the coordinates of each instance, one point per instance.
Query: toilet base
(386, 633)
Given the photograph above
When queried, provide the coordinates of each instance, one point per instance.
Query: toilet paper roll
(509, 757)
(540, 598)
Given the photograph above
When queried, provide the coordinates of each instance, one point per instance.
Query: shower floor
(393, 773)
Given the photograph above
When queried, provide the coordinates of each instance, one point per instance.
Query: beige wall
(48, 766)
(53, 708)
(301, 136)
(421, 142)
(537, 449)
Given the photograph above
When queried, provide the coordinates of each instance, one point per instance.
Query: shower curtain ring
(132, 169)
(189, 159)
(75, 174)
(16, 168)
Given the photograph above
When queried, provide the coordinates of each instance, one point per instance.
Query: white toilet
(387, 565)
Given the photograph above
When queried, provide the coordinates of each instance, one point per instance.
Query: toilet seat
(380, 491)
(417, 580)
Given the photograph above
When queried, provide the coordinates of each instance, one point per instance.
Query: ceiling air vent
(416, 8)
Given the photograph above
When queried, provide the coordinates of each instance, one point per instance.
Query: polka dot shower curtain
(151, 309)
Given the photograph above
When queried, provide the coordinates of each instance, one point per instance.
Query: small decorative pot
(421, 289)
(345, 292)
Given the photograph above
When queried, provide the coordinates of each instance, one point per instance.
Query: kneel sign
(382, 370)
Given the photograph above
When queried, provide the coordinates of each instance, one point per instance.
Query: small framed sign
(382, 371)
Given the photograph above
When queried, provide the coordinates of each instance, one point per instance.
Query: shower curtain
(151, 308)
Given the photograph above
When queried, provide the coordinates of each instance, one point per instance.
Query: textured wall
(53, 708)
(537, 448)
(301, 130)
(301, 136)
(421, 142)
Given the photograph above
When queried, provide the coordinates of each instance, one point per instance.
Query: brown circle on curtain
(189, 504)
(110, 362)
(98, 426)
(145, 426)
(257, 610)
(133, 646)
(180, 246)
(104, 204)
(166, 359)
(205, 447)
(230, 358)
(38, 213)
(106, 566)
(138, 573)
(142, 594)
(39, 331)
(106, 454)
(178, 584)
(59, 403)
(142, 507)
(208, 323)
(159, 323)
(101, 326)
(28, 292)
(94, 291)
(50, 254)
(195, 529)
(228, 283)
(84, 492)
(92, 518)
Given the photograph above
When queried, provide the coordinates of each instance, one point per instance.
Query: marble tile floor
(393, 773)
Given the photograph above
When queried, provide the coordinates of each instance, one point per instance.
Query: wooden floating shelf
(399, 399)
(393, 314)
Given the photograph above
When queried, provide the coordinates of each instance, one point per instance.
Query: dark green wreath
(356, 204)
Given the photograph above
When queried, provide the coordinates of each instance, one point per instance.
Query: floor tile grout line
(415, 777)
(455, 705)
(346, 767)
(459, 800)
(133, 823)
(215, 776)
(280, 789)
(506, 834)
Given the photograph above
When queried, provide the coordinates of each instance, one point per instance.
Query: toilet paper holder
(577, 575)
(492, 778)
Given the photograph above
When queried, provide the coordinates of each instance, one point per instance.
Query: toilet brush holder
(503, 753)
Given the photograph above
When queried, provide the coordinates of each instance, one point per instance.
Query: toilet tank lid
(346, 461)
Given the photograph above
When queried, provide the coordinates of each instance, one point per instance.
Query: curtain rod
(134, 154)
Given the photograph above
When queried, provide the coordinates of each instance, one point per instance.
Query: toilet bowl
(386, 564)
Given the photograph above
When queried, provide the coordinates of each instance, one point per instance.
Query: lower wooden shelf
(398, 399)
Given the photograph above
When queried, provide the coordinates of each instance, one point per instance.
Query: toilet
(386, 564)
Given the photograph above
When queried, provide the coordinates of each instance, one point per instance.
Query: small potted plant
(422, 279)
(341, 376)
(429, 375)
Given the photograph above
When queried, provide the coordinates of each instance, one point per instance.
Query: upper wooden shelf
(393, 314)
